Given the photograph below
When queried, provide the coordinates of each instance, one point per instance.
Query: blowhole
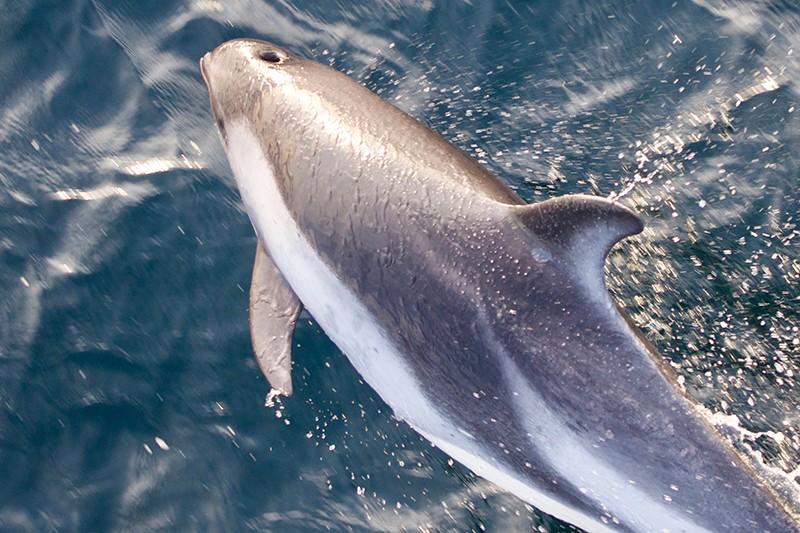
(271, 56)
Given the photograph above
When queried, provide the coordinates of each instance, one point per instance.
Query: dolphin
(482, 321)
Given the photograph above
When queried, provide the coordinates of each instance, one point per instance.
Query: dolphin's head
(245, 79)
(282, 99)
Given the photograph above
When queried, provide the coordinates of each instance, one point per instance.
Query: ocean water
(129, 397)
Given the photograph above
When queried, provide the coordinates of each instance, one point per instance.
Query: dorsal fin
(581, 225)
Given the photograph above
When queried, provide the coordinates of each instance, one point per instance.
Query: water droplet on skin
(542, 255)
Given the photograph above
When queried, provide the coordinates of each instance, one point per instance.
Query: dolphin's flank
(483, 322)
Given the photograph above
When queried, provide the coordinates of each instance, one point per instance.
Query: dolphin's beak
(203, 72)
(204, 66)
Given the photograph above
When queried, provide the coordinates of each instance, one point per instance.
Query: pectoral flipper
(274, 309)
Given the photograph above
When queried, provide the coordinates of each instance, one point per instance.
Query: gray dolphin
(483, 322)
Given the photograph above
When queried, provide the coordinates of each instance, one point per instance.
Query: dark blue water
(129, 398)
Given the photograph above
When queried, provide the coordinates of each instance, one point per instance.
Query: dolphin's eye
(271, 56)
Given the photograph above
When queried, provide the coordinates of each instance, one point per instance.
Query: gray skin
(461, 273)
